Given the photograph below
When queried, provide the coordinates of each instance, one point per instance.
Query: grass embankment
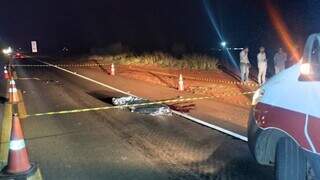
(194, 62)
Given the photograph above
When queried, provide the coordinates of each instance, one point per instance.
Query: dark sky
(151, 24)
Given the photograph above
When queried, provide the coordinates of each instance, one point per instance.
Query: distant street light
(223, 44)
(7, 51)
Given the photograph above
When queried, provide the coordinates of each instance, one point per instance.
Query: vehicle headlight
(305, 69)
(257, 96)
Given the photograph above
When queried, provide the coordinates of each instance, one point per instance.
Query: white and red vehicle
(284, 125)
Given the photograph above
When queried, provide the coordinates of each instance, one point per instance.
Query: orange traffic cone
(112, 70)
(18, 160)
(6, 73)
(181, 84)
(13, 92)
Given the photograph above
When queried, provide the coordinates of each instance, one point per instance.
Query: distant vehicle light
(7, 51)
(305, 69)
(223, 44)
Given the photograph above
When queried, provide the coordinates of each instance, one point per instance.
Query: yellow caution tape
(60, 65)
(136, 105)
(204, 79)
(160, 73)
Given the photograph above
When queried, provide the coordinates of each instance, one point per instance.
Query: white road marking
(196, 120)
(212, 126)
(89, 79)
(29, 79)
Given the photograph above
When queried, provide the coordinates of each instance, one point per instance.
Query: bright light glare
(7, 51)
(305, 69)
(223, 44)
(214, 24)
(282, 29)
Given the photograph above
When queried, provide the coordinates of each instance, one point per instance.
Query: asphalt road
(118, 144)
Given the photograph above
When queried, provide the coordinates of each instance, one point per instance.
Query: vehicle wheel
(291, 163)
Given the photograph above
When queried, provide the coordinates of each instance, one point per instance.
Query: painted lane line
(225, 131)
(89, 79)
(29, 79)
(193, 119)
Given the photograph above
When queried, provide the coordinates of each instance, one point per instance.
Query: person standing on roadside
(262, 66)
(279, 59)
(244, 64)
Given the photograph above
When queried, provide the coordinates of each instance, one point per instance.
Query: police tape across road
(252, 84)
(155, 72)
(60, 65)
(191, 118)
(137, 105)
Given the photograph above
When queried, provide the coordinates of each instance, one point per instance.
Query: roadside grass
(193, 62)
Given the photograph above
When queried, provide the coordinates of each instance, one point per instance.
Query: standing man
(244, 64)
(262, 65)
(279, 59)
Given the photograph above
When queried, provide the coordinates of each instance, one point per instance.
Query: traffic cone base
(23, 175)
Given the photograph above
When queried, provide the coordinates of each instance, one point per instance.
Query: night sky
(151, 24)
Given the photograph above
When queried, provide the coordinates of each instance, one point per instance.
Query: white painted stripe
(199, 121)
(215, 127)
(306, 133)
(13, 90)
(16, 145)
(89, 79)
(12, 82)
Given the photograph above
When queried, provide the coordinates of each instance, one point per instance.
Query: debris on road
(51, 81)
(153, 110)
(128, 100)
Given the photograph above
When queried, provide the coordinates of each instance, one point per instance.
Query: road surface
(118, 144)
